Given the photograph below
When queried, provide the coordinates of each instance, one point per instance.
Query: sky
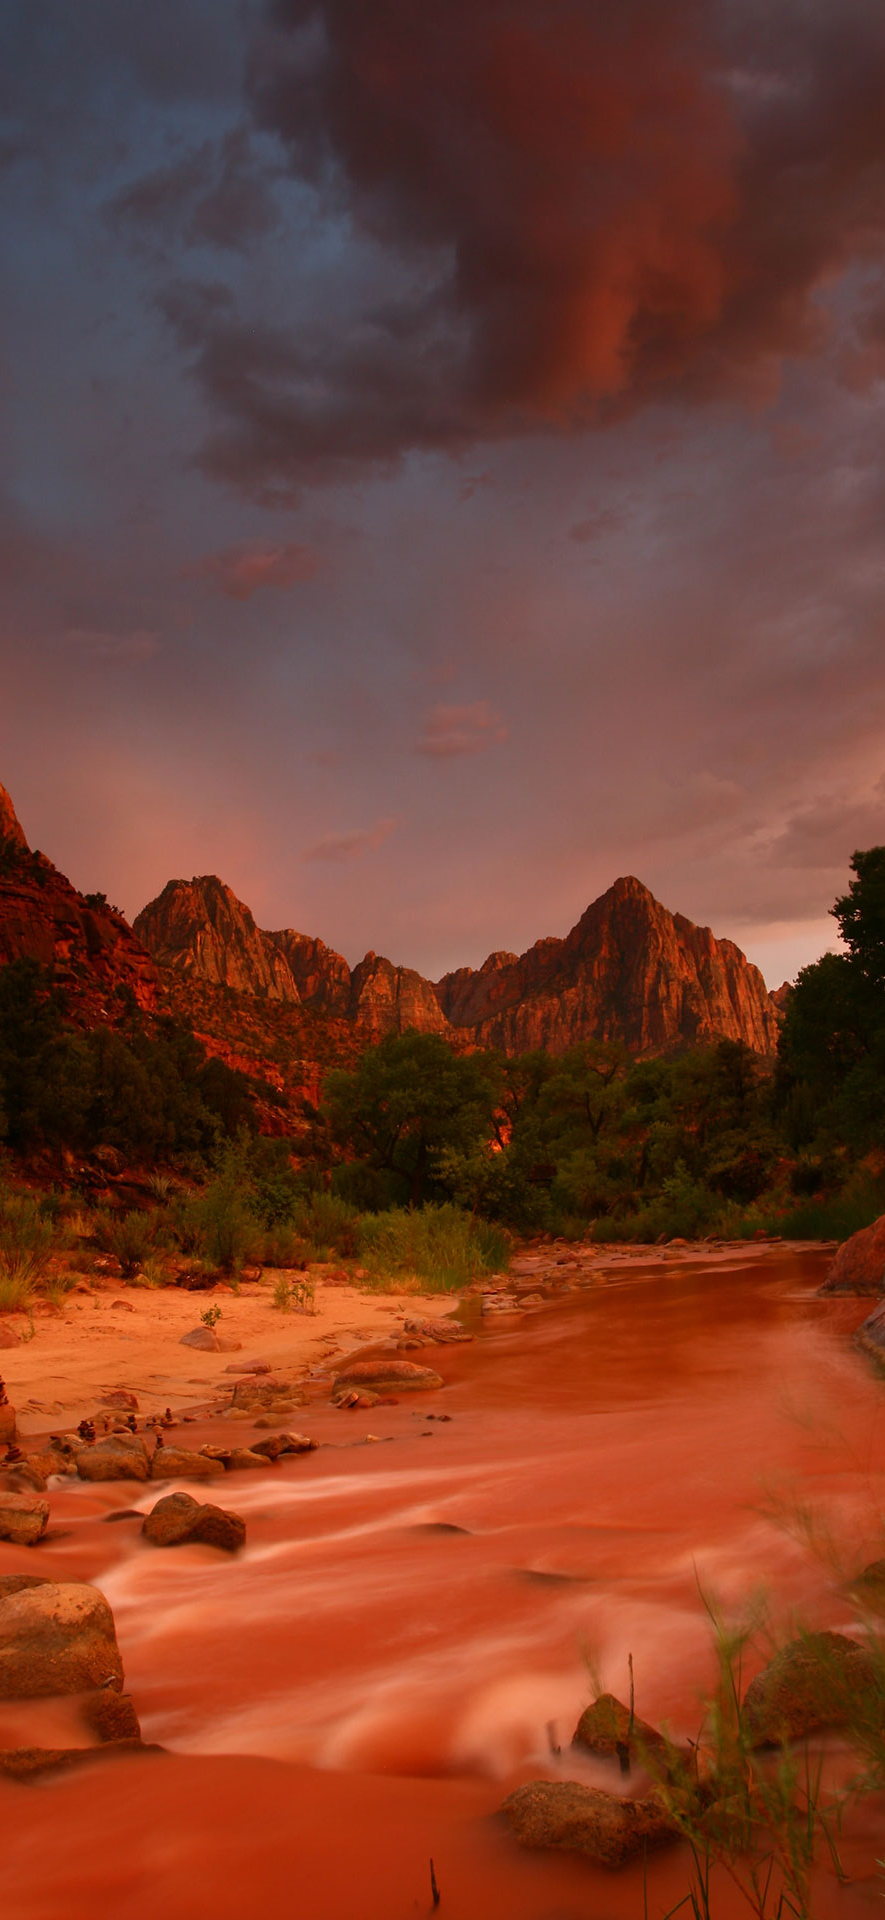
(441, 459)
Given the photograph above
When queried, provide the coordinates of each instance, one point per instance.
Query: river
(417, 1619)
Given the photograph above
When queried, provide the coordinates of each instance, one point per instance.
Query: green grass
(442, 1247)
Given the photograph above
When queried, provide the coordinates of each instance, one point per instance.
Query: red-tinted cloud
(581, 207)
(241, 571)
(451, 731)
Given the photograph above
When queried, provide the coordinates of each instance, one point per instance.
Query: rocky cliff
(89, 947)
(629, 971)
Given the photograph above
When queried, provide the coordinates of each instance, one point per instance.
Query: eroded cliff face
(389, 999)
(87, 944)
(321, 975)
(199, 926)
(629, 971)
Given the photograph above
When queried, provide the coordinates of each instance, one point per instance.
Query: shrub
(25, 1244)
(441, 1246)
(128, 1237)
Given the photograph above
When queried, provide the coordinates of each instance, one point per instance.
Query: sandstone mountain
(89, 947)
(629, 971)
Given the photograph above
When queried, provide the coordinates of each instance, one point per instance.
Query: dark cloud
(217, 195)
(578, 209)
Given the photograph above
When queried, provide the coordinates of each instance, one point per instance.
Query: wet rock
(31, 1763)
(178, 1520)
(859, 1264)
(122, 1456)
(870, 1334)
(110, 1715)
(285, 1443)
(351, 1400)
(381, 1373)
(870, 1586)
(23, 1519)
(23, 1477)
(442, 1332)
(179, 1463)
(241, 1459)
(48, 1461)
(55, 1637)
(568, 1816)
(604, 1728)
(280, 1411)
(249, 1366)
(263, 1394)
(529, 1301)
(817, 1681)
(499, 1303)
(7, 1424)
(206, 1340)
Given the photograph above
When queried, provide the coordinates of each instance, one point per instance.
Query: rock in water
(7, 1424)
(871, 1333)
(382, 1373)
(578, 1819)
(177, 1520)
(859, 1265)
(605, 1729)
(816, 1681)
(23, 1519)
(178, 1463)
(55, 1637)
(123, 1456)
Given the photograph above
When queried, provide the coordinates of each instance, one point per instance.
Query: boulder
(110, 1715)
(178, 1463)
(23, 1477)
(870, 1334)
(249, 1366)
(241, 1459)
(382, 1373)
(281, 1443)
(23, 1519)
(870, 1586)
(816, 1681)
(122, 1456)
(178, 1519)
(578, 1819)
(859, 1264)
(55, 1637)
(120, 1397)
(253, 1394)
(604, 1728)
(206, 1340)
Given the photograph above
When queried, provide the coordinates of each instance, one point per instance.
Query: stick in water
(433, 1886)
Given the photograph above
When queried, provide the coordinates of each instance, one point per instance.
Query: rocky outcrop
(23, 1518)
(630, 971)
(94, 956)
(199, 926)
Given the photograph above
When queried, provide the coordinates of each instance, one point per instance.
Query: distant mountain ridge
(629, 971)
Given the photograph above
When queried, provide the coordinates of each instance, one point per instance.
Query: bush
(25, 1245)
(128, 1237)
(329, 1225)
(441, 1246)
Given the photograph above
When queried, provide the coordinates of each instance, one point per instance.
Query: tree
(408, 1100)
(861, 915)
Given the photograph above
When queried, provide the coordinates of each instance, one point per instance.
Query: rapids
(417, 1620)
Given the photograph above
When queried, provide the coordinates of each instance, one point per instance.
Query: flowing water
(417, 1620)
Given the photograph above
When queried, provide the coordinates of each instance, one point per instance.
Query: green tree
(409, 1099)
(861, 915)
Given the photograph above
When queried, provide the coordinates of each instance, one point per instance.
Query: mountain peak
(10, 825)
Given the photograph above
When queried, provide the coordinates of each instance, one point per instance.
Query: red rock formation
(389, 999)
(87, 944)
(199, 926)
(859, 1265)
(628, 971)
(321, 976)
